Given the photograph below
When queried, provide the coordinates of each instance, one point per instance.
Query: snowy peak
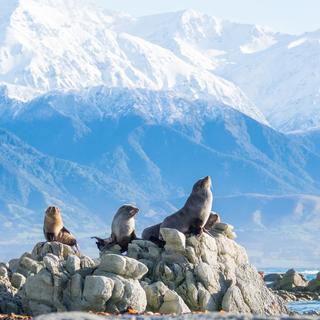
(61, 46)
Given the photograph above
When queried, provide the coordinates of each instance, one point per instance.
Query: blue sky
(293, 16)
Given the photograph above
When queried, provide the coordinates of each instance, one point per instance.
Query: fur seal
(54, 229)
(192, 217)
(212, 220)
(152, 234)
(123, 229)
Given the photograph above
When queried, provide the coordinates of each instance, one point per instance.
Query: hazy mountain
(93, 151)
(99, 108)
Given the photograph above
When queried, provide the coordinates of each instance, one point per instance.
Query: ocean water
(302, 307)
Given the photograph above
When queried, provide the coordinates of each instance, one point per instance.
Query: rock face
(188, 274)
(291, 280)
(314, 285)
(207, 272)
(54, 279)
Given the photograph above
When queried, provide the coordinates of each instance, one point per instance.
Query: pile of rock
(292, 286)
(188, 274)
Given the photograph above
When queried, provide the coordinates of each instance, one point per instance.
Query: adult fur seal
(192, 217)
(123, 229)
(54, 229)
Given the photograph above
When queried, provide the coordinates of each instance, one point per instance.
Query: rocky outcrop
(291, 280)
(314, 285)
(208, 272)
(194, 316)
(292, 286)
(53, 278)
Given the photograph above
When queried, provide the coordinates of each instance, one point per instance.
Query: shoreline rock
(205, 273)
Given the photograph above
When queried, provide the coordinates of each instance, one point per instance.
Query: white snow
(58, 45)
(50, 45)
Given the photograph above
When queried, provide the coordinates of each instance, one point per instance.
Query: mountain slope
(278, 72)
(90, 158)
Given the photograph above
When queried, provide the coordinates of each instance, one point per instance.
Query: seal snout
(207, 181)
(52, 210)
(134, 211)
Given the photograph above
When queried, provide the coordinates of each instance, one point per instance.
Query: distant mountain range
(99, 108)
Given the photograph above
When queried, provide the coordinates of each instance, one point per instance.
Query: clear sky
(293, 16)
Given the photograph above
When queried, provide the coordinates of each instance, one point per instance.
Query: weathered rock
(128, 293)
(194, 273)
(173, 304)
(52, 263)
(291, 280)
(10, 302)
(115, 249)
(224, 229)
(314, 285)
(73, 264)
(18, 280)
(30, 265)
(4, 271)
(13, 265)
(97, 291)
(40, 288)
(233, 301)
(58, 249)
(155, 293)
(175, 240)
(124, 266)
(272, 277)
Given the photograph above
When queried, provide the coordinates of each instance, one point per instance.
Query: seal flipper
(134, 236)
(103, 243)
(158, 242)
(66, 237)
(197, 227)
(49, 236)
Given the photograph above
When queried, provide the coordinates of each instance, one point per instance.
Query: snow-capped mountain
(257, 71)
(75, 47)
(99, 108)
(278, 72)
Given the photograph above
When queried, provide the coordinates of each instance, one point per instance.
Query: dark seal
(123, 229)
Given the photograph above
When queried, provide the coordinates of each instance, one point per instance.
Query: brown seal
(152, 234)
(189, 219)
(123, 229)
(54, 229)
(192, 217)
(212, 220)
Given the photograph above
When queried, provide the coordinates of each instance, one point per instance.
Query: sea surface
(302, 307)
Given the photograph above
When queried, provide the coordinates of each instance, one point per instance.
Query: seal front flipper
(66, 237)
(157, 241)
(134, 236)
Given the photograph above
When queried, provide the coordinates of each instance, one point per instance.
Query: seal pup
(192, 217)
(122, 228)
(212, 220)
(54, 229)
